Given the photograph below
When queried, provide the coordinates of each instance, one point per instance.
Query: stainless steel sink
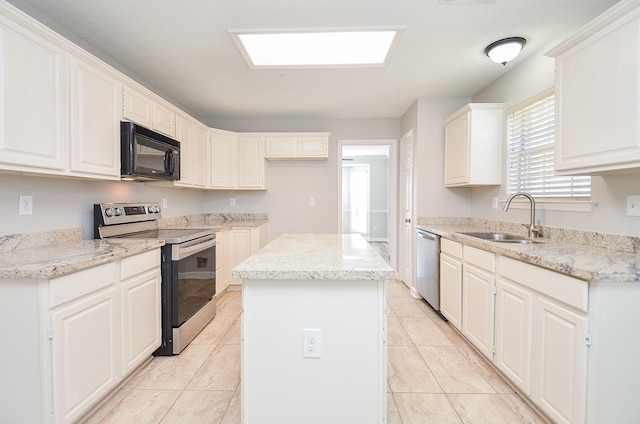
(502, 237)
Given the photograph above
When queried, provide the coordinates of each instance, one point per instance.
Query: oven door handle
(183, 252)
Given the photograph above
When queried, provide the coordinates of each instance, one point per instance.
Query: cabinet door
(138, 107)
(456, 151)
(95, 120)
(201, 158)
(280, 146)
(478, 308)
(184, 134)
(223, 263)
(86, 352)
(311, 146)
(240, 247)
(600, 134)
(33, 101)
(561, 362)
(164, 120)
(224, 161)
(514, 330)
(451, 289)
(251, 162)
(140, 319)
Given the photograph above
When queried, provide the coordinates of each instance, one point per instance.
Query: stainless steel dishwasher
(428, 269)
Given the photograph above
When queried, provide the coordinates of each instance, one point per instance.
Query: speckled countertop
(586, 262)
(315, 257)
(64, 258)
(216, 222)
(50, 254)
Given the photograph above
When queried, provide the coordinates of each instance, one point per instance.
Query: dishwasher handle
(425, 235)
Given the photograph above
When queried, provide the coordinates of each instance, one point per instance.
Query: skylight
(316, 49)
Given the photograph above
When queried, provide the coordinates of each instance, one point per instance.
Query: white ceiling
(183, 48)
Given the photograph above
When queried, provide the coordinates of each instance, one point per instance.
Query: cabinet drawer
(561, 287)
(80, 283)
(453, 248)
(139, 263)
(480, 258)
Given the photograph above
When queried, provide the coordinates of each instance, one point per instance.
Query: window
(530, 141)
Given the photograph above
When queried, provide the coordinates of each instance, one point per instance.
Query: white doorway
(406, 224)
(367, 184)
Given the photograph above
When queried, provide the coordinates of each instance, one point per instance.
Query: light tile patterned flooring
(433, 375)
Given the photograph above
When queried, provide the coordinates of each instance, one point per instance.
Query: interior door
(406, 215)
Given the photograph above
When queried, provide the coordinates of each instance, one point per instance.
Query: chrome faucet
(533, 229)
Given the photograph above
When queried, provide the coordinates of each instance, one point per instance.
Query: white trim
(585, 206)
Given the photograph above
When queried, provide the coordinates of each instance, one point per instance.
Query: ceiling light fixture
(505, 50)
(317, 49)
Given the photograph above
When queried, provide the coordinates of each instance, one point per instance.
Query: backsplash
(38, 239)
(222, 217)
(558, 235)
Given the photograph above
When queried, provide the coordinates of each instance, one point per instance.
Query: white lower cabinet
(542, 337)
(560, 364)
(140, 308)
(451, 282)
(223, 262)
(478, 285)
(244, 242)
(514, 332)
(85, 350)
(77, 337)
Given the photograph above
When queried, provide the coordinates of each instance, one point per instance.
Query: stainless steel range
(188, 268)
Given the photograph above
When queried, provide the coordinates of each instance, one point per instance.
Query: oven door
(194, 279)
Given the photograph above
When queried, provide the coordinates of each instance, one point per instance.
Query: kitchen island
(314, 331)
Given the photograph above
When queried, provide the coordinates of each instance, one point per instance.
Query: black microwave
(146, 155)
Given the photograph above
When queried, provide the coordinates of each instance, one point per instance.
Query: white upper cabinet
(201, 159)
(297, 146)
(473, 145)
(251, 162)
(224, 160)
(34, 97)
(598, 94)
(184, 134)
(95, 119)
(141, 107)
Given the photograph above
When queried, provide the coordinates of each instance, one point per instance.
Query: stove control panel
(105, 214)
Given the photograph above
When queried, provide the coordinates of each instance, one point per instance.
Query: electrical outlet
(312, 201)
(494, 202)
(232, 201)
(311, 343)
(633, 205)
(25, 204)
(165, 203)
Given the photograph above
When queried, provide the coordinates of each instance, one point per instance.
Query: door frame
(393, 188)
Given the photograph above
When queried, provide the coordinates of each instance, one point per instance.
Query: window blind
(531, 137)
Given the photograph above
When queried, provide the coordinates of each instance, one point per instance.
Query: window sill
(584, 206)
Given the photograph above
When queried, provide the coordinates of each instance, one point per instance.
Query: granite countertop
(315, 257)
(589, 263)
(216, 222)
(64, 258)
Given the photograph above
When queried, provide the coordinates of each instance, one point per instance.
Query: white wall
(66, 203)
(426, 117)
(291, 183)
(529, 78)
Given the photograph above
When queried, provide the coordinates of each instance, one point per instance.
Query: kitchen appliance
(428, 269)
(188, 268)
(146, 155)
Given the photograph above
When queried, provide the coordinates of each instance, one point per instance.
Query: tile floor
(433, 375)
